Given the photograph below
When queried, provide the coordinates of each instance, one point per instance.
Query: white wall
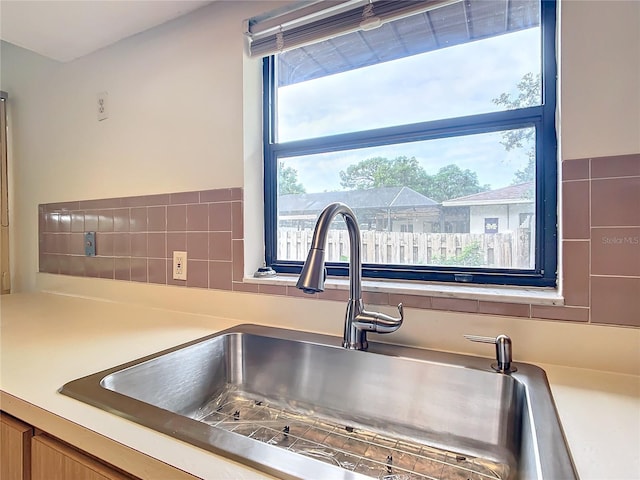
(179, 119)
(508, 216)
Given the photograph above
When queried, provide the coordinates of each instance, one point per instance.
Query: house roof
(374, 198)
(520, 193)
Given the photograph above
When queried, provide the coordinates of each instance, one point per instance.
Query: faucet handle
(378, 322)
(503, 351)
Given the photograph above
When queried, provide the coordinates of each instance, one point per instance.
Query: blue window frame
(537, 121)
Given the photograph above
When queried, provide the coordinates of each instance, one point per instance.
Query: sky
(459, 80)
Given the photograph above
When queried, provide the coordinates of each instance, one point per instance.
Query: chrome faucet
(357, 320)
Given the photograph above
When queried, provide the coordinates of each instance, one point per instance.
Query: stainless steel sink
(297, 405)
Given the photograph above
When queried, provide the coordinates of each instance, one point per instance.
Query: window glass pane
(454, 77)
(463, 201)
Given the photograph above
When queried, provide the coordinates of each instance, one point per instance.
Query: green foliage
(470, 256)
(529, 94)
(449, 182)
(382, 172)
(288, 180)
(453, 182)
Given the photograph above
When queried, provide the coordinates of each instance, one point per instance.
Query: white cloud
(455, 81)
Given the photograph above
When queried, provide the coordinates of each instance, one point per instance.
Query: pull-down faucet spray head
(313, 273)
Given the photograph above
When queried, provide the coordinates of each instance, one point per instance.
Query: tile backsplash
(136, 237)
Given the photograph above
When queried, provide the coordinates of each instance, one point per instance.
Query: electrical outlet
(102, 106)
(179, 265)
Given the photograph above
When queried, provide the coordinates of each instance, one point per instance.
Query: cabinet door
(15, 449)
(52, 460)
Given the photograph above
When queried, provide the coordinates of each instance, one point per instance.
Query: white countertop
(48, 340)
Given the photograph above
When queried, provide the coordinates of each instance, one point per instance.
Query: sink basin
(298, 405)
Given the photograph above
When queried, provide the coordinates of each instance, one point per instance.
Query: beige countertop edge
(43, 335)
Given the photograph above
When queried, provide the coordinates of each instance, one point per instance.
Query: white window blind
(289, 28)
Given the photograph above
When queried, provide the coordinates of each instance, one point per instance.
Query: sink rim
(546, 436)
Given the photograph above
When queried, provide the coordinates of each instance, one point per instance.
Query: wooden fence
(500, 250)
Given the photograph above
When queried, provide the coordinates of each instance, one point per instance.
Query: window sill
(504, 294)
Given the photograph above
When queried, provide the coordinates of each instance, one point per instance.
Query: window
(437, 128)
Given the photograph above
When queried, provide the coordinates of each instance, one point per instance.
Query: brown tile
(99, 204)
(575, 272)
(138, 219)
(197, 218)
(220, 275)
(77, 221)
(220, 247)
(505, 309)
(62, 243)
(64, 264)
(138, 244)
(411, 301)
(146, 200)
(76, 266)
(245, 287)
(575, 210)
(237, 220)
(42, 221)
(121, 244)
(615, 251)
(552, 312)
(176, 242)
(91, 221)
(197, 273)
(454, 304)
(614, 202)
(619, 166)
(198, 245)
(64, 222)
(375, 298)
(156, 246)
(184, 197)
(49, 243)
(335, 295)
(105, 220)
(220, 217)
(615, 300)
(122, 269)
(176, 218)
(157, 270)
(92, 267)
(272, 289)
(51, 222)
(218, 195)
(121, 220)
(49, 263)
(106, 267)
(157, 219)
(76, 244)
(238, 260)
(104, 244)
(139, 270)
(68, 206)
(575, 169)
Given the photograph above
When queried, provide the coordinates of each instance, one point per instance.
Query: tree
(288, 181)
(452, 182)
(529, 92)
(449, 182)
(381, 172)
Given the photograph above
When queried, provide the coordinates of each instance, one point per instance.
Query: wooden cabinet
(15, 449)
(54, 460)
(27, 454)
